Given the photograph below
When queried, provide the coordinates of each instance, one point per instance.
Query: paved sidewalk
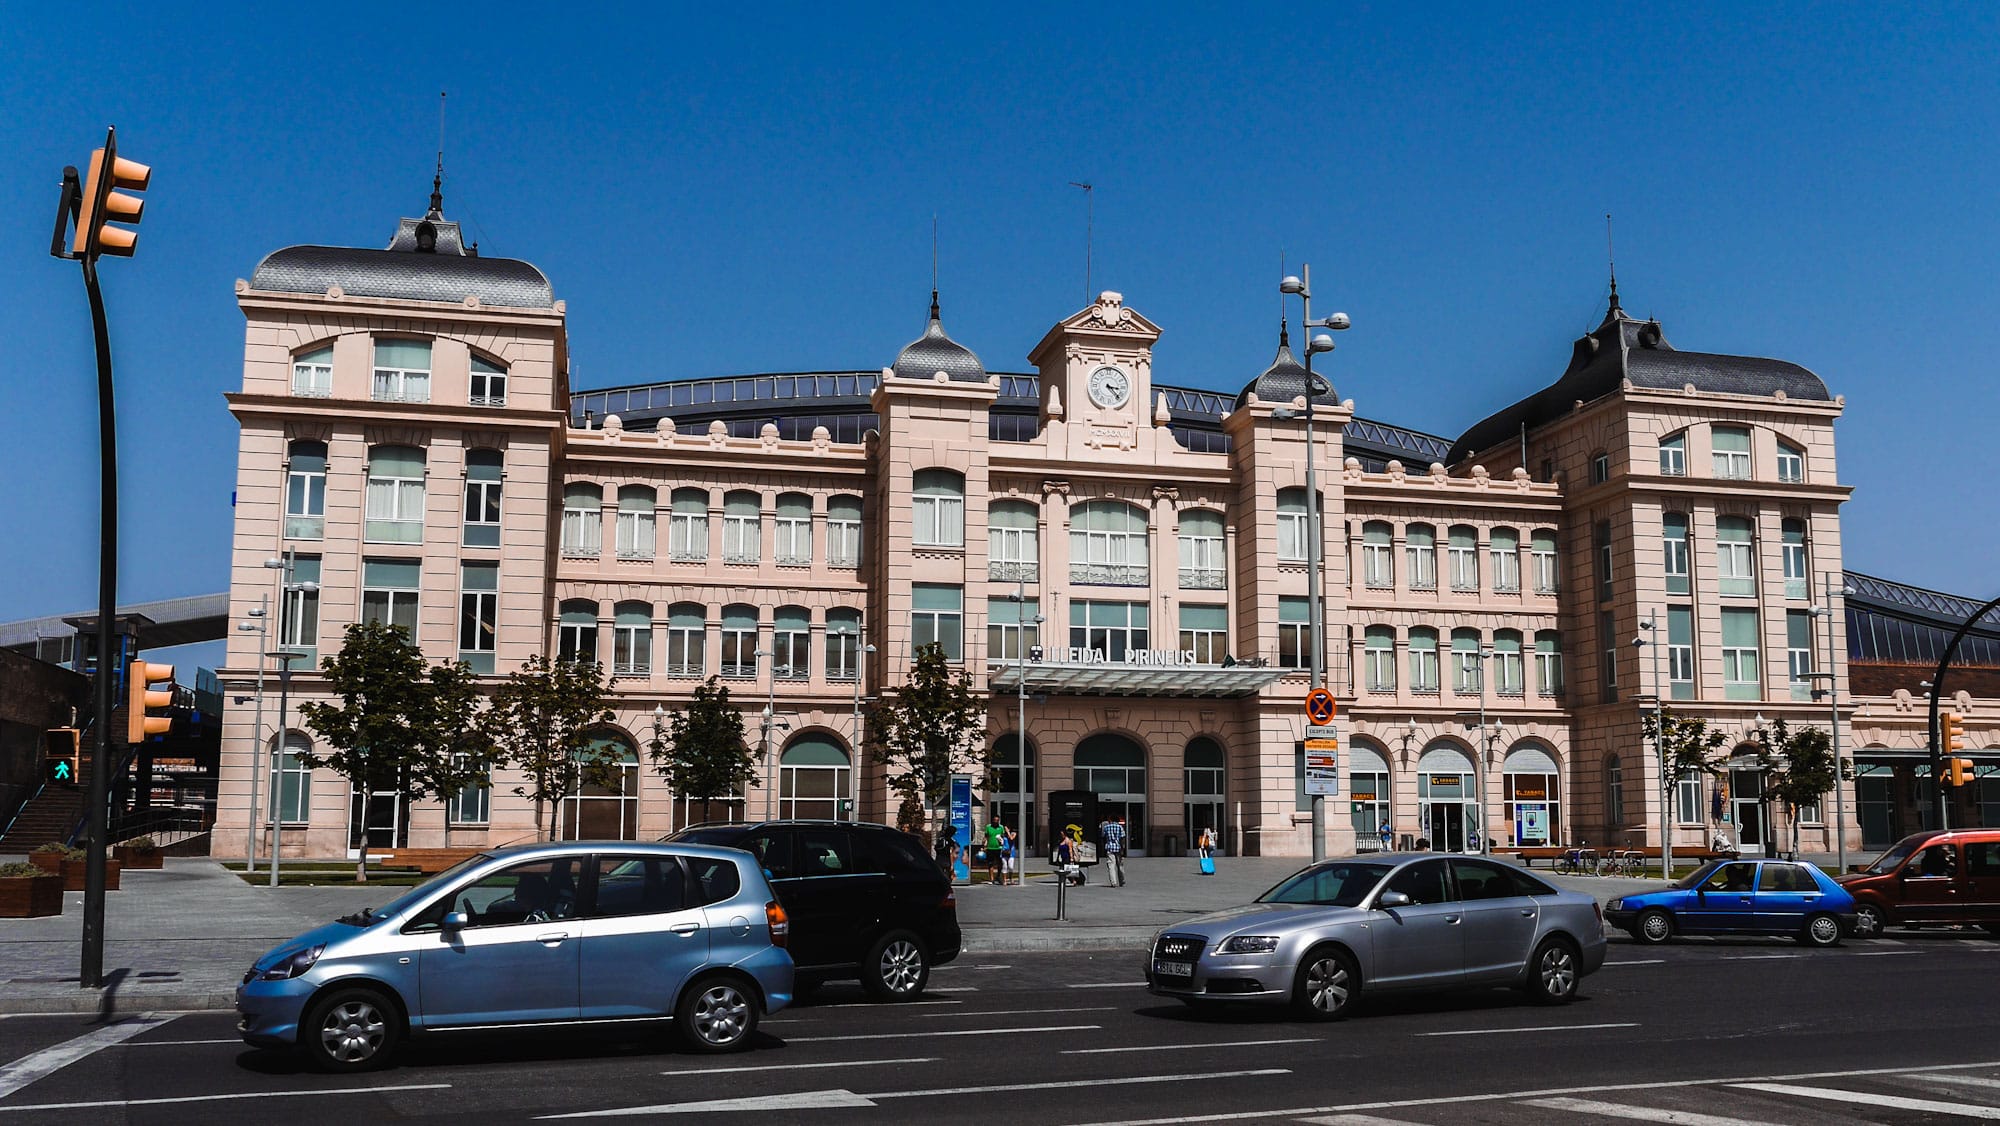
(182, 937)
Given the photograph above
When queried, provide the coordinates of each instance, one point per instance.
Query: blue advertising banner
(961, 828)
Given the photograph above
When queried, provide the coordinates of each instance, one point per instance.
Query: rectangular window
(576, 636)
(402, 371)
(937, 617)
(742, 535)
(1791, 465)
(1205, 632)
(1463, 558)
(793, 532)
(291, 782)
(471, 806)
(1799, 652)
(1600, 468)
(1108, 558)
(687, 534)
(1731, 445)
(482, 512)
(687, 637)
(1542, 548)
(582, 522)
(1420, 549)
(1798, 582)
(635, 532)
(1674, 456)
(632, 643)
(791, 645)
(843, 532)
(1605, 576)
(1508, 675)
(1012, 552)
(1294, 632)
(489, 384)
(1505, 551)
(299, 631)
(389, 592)
(1548, 663)
(1674, 545)
(843, 650)
(739, 645)
(1292, 536)
(1201, 554)
(478, 615)
(1735, 556)
(1379, 659)
(1378, 558)
(305, 493)
(312, 374)
(1010, 628)
(1423, 663)
(1680, 652)
(1112, 629)
(395, 502)
(1740, 677)
(1466, 669)
(1687, 803)
(937, 521)
(1607, 638)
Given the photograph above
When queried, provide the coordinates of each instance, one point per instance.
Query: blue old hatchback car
(1781, 897)
(529, 936)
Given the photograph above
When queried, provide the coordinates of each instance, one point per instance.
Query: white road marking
(1635, 962)
(799, 1066)
(1966, 1080)
(1551, 1092)
(1756, 957)
(1644, 1113)
(1356, 1120)
(1881, 953)
(180, 1043)
(1870, 1098)
(844, 1098)
(1178, 1047)
(942, 1032)
(952, 989)
(1535, 1028)
(1108, 985)
(222, 1098)
(1889, 942)
(48, 1061)
(992, 967)
(1019, 1012)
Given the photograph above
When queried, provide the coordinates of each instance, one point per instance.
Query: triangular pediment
(1108, 316)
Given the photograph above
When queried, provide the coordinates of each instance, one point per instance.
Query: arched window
(843, 643)
(1013, 548)
(1368, 796)
(1542, 549)
(395, 504)
(1008, 786)
(1114, 768)
(742, 526)
(1674, 546)
(1107, 544)
(1463, 556)
(791, 643)
(843, 531)
(794, 531)
(1798, 580)
(1293, 525)
(402, 371)
(1466, 670)
(483, 469)
(1423, 660)
(739, 641)
(1420, 544)
(489, 383)
(305, 490)
(636, 538)
(1674, 455)
(291, 781)
(1548, 663)
(1504, 546)
(687, 639)
(814, 774)
(1532, 795)
(312, 373)
(583, 520)
(1378, 554)
(1508, 677)
(1379, 658)
(1735, 556)
(576, 632)
(1614, 793)
(605, 808)
(1791, 464)
(687, 532)
(1202, 566)
(937, 509)
(632, 639)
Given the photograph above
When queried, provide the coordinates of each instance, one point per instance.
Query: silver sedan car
(1388, 921)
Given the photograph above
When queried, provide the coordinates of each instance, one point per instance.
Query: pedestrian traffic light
(1952, 733)
(60, 757)
(1957, 771)
(146, 706)
(100, 206)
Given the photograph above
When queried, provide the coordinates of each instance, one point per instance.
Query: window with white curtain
(1791, 464)
(1463, 557)
(1107, 544)
(305, 490)
(1013, 545)
(1378, 555)
(1731, 448)
(402, 371)
(1548, 663)
(583, 520)
(1508, 679)
(635, 521)
(687, 530)
(1504, 546)
(1202, 566)
(1420, 549)
(1467, 671)
(489, 383)
(1293, 525)
(1735, 556)
(1424, 660)
(1379, 658)
(1542, 550)
(937, 509)
(395, 501)
(792, 531)
(312, 373)
(843, 531)
(742, 527)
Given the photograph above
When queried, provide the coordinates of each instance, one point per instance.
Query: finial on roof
(1284, 333)
(934, 305)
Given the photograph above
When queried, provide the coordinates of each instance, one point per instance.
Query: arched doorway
(605, 810)
(1205, 776)
(1533, 795)
(814, 775)
(1114, 768)
(1006, 795)
(1447, 808)
(1368, 796)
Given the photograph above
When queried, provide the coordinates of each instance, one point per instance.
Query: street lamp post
(1485, 749)
(770, 713)
(1660, 749)
(1020, 600)
(1302, 286)
(860, 657)
(1832, 677)
(284, 654)
(261, 629)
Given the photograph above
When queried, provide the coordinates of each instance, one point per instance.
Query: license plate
(1173, 969)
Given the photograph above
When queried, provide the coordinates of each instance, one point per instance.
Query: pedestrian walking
(1063, 859)
(1009, 859)
(995, 834)
(1385, 833)
(1111, 834)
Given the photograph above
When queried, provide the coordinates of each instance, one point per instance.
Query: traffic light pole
(1937, 689)
(98, 802)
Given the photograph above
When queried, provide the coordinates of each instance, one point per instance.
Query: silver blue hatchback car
(530, 936)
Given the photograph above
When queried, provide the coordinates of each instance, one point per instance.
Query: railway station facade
(1128, 553)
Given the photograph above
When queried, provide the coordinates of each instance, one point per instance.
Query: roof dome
(935, 352)
(1285, 379)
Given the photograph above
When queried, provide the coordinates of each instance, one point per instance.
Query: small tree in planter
(139, 853)
(28, 891)
(76, 865)
(49, 857)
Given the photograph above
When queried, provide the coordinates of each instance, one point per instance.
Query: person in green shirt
(996, 835)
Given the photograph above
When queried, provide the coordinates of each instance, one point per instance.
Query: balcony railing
(741, 557)
(1109, 574)
(689, 555)
(632, 668)
(1013, 571)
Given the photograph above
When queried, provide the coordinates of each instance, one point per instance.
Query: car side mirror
(456, 920)
(1390, 900)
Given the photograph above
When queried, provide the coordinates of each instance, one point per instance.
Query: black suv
(865, 900)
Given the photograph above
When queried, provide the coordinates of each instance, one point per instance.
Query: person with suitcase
(1205, 844)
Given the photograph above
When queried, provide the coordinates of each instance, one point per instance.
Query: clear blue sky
(720, 189)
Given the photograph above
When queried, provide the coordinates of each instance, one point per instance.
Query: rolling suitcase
(1208, 865)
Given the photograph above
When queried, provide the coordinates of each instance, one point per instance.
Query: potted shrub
(76, 865)
(49, 857)
(27, 891)
(138, 853)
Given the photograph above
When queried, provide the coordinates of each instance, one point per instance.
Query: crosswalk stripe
(1356, 1120)
(1643, 1113)
(1959, 1080)
(1870, 1098)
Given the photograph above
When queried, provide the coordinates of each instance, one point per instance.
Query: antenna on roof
(1611, 257)
(437, 181)
(1089, 223)
(934, 251)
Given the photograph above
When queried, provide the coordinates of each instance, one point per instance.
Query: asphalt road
(1707, 1033)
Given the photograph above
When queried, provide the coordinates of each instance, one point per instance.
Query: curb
(119, 1004)
(1055, 940)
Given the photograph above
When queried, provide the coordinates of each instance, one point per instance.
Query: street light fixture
(1832, 690)
(285, 656)
(259, 627)
(860, 658)
(1667, 784)
(1020, 600)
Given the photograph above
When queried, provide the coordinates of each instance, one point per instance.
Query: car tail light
(778, 922)
(951, 901)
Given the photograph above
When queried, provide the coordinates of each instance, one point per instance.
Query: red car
(1930, 878)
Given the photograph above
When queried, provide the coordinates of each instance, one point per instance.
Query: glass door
(1746, 799)
(377, 820)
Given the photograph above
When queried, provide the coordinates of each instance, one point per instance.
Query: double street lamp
(1650, 639)
(284, 654)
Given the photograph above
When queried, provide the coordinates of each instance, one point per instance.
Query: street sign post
(1320, 707)
(1322, 760)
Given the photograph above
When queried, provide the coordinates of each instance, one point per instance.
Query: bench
(428, 861)
(1528, 855)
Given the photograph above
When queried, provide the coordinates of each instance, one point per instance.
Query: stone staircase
(48, 816)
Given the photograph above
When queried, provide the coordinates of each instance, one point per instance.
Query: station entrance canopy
(1074, 672)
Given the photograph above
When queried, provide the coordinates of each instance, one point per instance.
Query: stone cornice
(334, 303)
(246, 406)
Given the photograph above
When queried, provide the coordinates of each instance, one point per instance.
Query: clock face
(1110, 387)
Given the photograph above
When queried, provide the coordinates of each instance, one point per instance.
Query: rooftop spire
(1284, 333)
(934, 306)
(437, 181)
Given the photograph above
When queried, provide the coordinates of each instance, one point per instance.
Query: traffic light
(60, 757)
(101, 206)
(1957, 771)
(1952, 730)
(146, 706)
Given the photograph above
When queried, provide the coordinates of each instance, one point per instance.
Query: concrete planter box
(139, 859)
(73, 873)
(50, 862)
(29, 897)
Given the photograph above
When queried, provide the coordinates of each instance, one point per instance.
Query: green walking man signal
(60, 756)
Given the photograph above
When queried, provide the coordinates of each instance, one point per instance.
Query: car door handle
(1452, 919)
(1527, 912)
(553, 938)
(685, 928)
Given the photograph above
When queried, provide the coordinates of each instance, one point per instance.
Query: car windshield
(1899, 852)
(1694, 878)
(418, 894)
(1341, 884)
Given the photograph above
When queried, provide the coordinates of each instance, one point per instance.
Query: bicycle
(1578, 862)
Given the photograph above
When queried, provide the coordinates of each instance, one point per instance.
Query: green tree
(1800, 768)
(541, 720)
(704, 755)
(401, 725)
(927, 730)
(1689, 746)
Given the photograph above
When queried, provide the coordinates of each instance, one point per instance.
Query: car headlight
(1615, 905)
(293, 965)
(1249, 944)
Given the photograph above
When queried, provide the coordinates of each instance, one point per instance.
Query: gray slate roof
(406, 271)
(1622, 348)
(935, 352)
(1285, 379)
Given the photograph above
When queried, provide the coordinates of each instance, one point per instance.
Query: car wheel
(1553, 974)
(896, 968)
(1869, 922)
(1821, 930)
(351, 1029)
(1327, 984)
(716, 1014)
(1654, 927)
